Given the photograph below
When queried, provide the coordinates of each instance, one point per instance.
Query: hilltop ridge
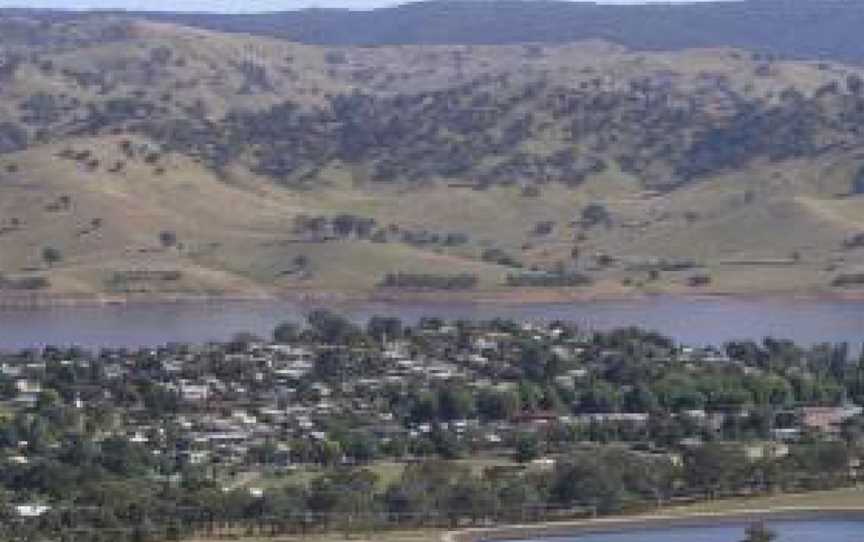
(825, 29)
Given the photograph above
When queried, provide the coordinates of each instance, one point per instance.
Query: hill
(825, 29)
(150, 159)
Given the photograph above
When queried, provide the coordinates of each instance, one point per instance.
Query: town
(340, 426)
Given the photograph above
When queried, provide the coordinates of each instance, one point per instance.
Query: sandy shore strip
(653, 521)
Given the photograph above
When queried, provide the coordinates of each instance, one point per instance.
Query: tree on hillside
(854, 83)
(858, 182)
(52, 256)
(595, 214)
(714, 467)
(527, 448)
(168, 238)
(456, 403)
(286, 332)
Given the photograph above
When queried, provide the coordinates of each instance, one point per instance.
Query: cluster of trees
(341, 225)
(107, 488)
(53, 31)
(43, 109)
(631, 371)
(126, 280)
(500, 257)
(847, 280)
(24, 283)
(345, 225)
(453, 133)
(474, 131)
(465, 281)
(549, 280)
(13, 137)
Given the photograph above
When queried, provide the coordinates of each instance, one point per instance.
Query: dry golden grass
(235, 230)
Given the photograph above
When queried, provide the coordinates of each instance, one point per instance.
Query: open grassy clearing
(236, 231)
(852, 498)
(387, 472)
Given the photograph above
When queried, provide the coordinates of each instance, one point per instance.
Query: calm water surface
(789, 531)
(695, 321)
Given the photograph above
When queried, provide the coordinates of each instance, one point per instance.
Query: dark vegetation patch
(848, 280)
(542, 279)
(425, 281)
(24, 283)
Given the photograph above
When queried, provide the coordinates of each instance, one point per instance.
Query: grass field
(247, 251)
(846, 498)
(387, 472)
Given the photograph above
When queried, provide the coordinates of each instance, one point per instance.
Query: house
(25, 386)
(635, 418)
(543, 417)
(10, 370)
(195, 457)
(194, 392)
(765, 450)
(786, 434)
(30, 510)
(828, 419)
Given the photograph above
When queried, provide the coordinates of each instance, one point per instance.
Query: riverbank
(520, 296)
(649, 522)
(838, 504)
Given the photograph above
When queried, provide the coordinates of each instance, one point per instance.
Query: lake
(788, 531)
(696, 321)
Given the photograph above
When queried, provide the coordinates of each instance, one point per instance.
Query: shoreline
(9, 301)
(650, 522)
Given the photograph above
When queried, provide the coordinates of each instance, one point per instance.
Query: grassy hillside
(151, 159)
(231, 238)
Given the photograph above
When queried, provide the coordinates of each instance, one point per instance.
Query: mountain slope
(150, 159)
(827, 29)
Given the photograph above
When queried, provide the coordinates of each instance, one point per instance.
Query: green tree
(587, 478)
(600, 396)
(527, 447)
(48, 399)
(167, 238)
(52, 256)
(380, 327)
(286, 333)
(456, 403)
(595, 214)
(712, 467)
(497, 405)
(424, 407)
(759, 532)
(361, 447)
(330, 327)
